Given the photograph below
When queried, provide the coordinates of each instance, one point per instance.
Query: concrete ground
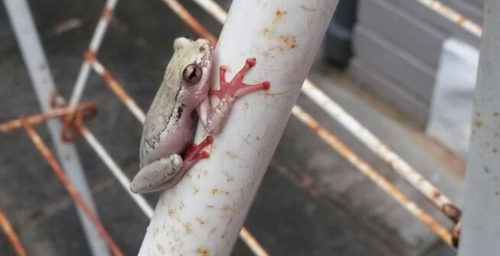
(311, 202)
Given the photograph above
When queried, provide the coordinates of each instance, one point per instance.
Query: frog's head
(193, 60)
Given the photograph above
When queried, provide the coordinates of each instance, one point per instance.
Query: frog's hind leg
(195, 153)
(157, 175)
(167, 172)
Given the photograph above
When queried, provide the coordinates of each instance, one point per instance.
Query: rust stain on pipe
(47, 154)
(107, 12)
(11, 235)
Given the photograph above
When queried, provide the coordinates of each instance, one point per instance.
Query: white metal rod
(95, 43)
(39, 72)
(453, 16)
(481, 222)
(116, 171)
(202, 214)
(214, 9)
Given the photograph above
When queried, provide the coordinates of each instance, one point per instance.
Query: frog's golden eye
(192, 74)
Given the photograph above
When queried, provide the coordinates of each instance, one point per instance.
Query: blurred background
(392, 64)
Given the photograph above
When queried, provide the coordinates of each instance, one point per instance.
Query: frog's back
(159, 114)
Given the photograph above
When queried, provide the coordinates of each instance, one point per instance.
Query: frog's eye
(192, 74)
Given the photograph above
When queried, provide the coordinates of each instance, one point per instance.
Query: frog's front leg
(214, 119)
(168, 171)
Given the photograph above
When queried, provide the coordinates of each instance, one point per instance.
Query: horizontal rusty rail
(39, 118)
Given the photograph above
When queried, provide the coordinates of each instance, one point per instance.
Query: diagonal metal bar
(39, 72)
(373, 175)
(190, 20)
(453, 16)
(115, 87)
(11, 235)
(58, 171)
(95, 43)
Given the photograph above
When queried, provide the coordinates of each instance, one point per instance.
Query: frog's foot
(157, 175)
(231, 91)
(195, 153)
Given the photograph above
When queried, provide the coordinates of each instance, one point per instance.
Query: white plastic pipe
(481, 222)
(204, 212)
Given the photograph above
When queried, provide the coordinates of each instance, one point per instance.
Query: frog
(183, 99)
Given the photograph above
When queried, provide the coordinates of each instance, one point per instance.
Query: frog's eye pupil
(192, 74)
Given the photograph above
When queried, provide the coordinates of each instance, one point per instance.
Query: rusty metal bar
(190, 20)
(39, 118)
(453, 16)
(412, 176)
(47, 154)
(115, 86)
(11, 235)
(373, 175)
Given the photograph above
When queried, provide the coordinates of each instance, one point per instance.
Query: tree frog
(166, 149)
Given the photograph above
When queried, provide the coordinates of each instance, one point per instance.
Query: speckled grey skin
(170, 122)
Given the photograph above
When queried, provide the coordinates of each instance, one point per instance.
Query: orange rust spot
(279, 14)
(106, 12)
(187, 226)
(452, 212)
(455, 234)
(202, 250)
(436, 194)
(478, 123)
(89, 56)
(461, 20)
(214, 191)
(288, 42)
